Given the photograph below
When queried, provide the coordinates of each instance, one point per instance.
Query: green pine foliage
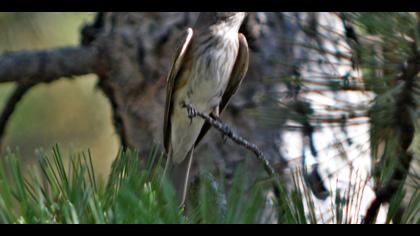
(135, 192)
(52, 192)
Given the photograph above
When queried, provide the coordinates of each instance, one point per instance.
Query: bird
(209, 66)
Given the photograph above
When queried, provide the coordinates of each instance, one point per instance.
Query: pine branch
(404, 128)
(28, 68)
(46, 66)
(228, 132)
(10, 106)
(116, 117)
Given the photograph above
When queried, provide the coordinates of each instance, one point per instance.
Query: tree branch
(45, 66)
(10, 107)
(116, 116)
(228, 132)
(28, 68)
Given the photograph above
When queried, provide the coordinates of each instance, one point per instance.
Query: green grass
(52, 192)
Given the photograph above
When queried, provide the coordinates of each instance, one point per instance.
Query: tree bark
(46, 66)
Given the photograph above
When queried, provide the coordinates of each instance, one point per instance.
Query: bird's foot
(191, 112)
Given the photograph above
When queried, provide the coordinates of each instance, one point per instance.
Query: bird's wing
(171, 83)
(238, 73)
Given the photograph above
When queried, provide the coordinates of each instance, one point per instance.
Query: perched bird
(207, 70)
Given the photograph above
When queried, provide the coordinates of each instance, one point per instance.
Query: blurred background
(70, 112)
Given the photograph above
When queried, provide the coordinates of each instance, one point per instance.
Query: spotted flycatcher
(207, 70)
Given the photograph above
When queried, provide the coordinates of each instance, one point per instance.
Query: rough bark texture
(46, 66)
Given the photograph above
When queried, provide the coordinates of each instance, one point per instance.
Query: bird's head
(230, 19)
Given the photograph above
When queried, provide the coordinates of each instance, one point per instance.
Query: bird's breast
(211, 73)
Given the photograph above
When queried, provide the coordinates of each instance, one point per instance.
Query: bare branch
(10, 107)
(116, 117)
(30, 68)
(228, 132)
(45, 66)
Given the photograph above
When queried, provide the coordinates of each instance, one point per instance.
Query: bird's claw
(191, 112)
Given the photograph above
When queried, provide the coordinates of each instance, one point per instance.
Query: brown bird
(208, 69)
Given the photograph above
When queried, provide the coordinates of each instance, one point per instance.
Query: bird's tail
(178, 174)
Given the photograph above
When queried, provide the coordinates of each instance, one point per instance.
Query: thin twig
(228, 132)
(10, 106)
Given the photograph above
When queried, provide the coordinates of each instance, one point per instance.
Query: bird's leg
(215, 113)
(191, 112)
